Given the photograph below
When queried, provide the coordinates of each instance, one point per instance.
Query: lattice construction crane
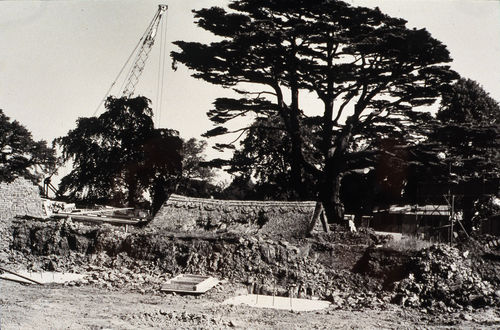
(141, 51)
(147, 43)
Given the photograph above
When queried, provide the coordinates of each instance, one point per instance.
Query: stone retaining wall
(19, 198)
(186, 214)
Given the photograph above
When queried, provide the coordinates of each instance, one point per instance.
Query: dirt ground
(88, 307)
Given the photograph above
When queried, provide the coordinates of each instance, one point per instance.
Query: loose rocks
(441, 277)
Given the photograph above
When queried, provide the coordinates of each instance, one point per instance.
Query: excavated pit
(317, 264)
(344, 268)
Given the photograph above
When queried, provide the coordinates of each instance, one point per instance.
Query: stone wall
(186, 214)
(19, 198)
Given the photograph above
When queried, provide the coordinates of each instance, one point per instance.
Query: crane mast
(147, 42)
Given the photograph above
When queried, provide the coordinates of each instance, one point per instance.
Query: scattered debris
(105, 214)
(50, 207)
(97, 218)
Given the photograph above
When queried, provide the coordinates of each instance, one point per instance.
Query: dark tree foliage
(21, 156)
(459, 155)
(119, 155)
(162, 165)
(466, 102)
(384, 181)
(265, 156)
(468, 133)
(241, 188)
(463, 142)
(369, 71)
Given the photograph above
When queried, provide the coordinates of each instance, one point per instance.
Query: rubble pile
(122, 271)
(442, 278)
(347, 290)
(485, 256)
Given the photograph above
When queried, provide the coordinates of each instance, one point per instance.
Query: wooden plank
(82, 212)
(19, 275)
(98, 219)
(315, 217)
(8, 277)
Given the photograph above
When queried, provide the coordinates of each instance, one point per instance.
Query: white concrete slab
(285, 303)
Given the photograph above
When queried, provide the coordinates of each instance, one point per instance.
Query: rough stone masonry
(20, 198)
(187, 214)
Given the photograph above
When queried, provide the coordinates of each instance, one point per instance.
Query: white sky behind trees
(59, 58)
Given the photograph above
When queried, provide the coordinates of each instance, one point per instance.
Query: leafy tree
(264, 156)
(468, 134)
(162, 166)
(197, 176)
(120, 155)
(241, 188)
(368, 70)
(467, 111)
(193, 161)
(466, 102)
(459, 153)
(21, 156)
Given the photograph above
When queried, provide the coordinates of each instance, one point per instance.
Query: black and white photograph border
(249, 164)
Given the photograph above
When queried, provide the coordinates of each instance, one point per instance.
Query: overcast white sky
(59, 58)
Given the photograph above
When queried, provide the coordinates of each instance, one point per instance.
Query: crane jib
(142, 55)
(145, 44)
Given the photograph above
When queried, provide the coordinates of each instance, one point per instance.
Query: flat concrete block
(189, 283)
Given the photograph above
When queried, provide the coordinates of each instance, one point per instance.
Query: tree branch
(259, 94)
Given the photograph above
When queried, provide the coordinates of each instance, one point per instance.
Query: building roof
(442, 210)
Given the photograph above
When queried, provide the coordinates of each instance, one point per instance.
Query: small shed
(411, 219)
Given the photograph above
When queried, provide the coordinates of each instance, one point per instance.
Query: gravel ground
(90, 307)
